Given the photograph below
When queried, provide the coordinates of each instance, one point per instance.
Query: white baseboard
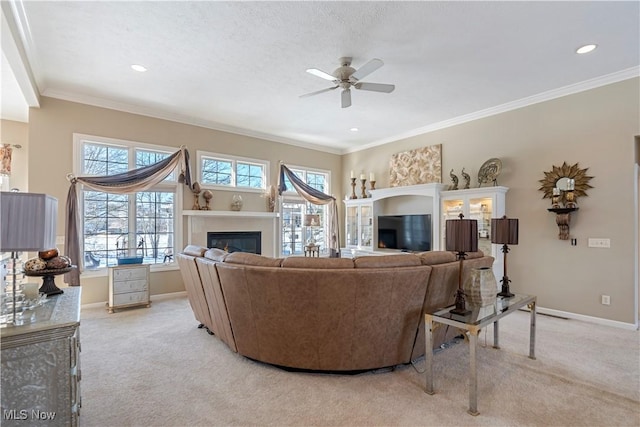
(590, 319)
(153, 298)
(541, 310)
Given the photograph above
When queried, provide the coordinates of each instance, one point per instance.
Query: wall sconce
(563, 185)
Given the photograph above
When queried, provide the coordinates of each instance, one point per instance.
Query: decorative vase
(236, 202)
(481, 286)
(207, 195)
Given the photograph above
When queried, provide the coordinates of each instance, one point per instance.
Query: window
(143, 224)
(223, 171)
(316, 179)
(294, 234)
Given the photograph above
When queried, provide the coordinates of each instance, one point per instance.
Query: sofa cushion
(320, 263)
(381, 261)
(252, 259)
(437, 257)
(216, 254)
(194, 250)
(474, 255)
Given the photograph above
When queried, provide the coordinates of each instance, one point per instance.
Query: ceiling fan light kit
(347, 77)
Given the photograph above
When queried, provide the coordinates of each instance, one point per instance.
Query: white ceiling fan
(346, 77)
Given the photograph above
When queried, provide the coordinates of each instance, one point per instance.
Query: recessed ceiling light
(586, 48)
(354, 129)
(138, 68)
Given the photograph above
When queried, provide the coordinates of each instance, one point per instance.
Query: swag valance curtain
(132, 181)
(315, 197)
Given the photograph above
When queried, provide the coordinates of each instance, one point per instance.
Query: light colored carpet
(153, 367)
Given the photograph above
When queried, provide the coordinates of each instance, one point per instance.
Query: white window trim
(233, 159)
(78, 140)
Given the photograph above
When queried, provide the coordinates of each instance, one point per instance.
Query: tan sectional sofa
(329, 314)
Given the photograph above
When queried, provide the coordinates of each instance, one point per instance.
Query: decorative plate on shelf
(489, 171)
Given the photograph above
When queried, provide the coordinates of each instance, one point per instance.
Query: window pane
(317, 181)
(101, 159)
(288, 183)
(154, 226)
(249, 175)
(216, 172)
(146, 158)
(292, 228)
(106, 222)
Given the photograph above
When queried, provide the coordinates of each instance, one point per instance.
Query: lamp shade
(462, 235)
(312, 220)
(27, 221)
(504, 231)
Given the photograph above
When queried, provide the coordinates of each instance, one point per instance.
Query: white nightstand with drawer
(128, 286)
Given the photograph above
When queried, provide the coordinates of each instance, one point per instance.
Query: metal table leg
(428, 353)
(473, 372)
(532, 331)
(496, 343)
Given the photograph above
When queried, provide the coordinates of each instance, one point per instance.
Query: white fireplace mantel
(200, 221)
(247, 214)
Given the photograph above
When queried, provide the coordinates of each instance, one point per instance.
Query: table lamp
(461, 237)
(311, 220)
(27, 224)
(504, 231)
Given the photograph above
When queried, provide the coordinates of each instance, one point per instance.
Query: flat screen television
(405, 232)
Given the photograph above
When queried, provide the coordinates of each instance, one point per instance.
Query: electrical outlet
(599, 243)
(606, 299)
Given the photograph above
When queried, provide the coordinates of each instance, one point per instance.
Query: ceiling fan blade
(321, 74)
(346, 98)
(376, 87)
(306, 95)
(366, 69)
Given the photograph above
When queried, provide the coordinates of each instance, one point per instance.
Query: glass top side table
(473, 323)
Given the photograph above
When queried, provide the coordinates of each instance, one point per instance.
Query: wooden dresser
(41, 365)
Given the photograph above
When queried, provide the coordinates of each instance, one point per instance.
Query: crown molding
(179, 118)
(616, 77)
(629, 73)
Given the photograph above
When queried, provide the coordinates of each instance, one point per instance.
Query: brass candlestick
(353, 189)
(373, 185)
(364, 188)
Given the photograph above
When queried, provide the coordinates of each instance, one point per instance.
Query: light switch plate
(599, 243)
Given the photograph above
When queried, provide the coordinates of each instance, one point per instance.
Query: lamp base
(505, 288)
(49, 286)
(460, 308)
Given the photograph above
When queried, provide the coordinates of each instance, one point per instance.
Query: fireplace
(236, 241)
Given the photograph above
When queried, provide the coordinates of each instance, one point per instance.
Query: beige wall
(51, 131)
(17, 133)
(596, 129)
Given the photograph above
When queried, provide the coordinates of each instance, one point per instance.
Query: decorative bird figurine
(467, 178)
(454, 179)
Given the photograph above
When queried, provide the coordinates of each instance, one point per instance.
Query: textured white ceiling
(240, 66)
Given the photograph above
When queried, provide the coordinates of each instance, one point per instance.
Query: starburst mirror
(563, 185)
(559, 177)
